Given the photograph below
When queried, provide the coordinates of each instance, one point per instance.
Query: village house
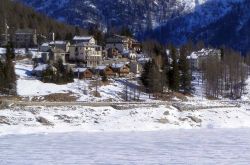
(104, 70)
(41, 68)
(135, 67)
(56, 54)
(123, 44)
(113, 53)
(25, 38)
(64, 45)
(121, 69)
(89, 54)
(83, 73)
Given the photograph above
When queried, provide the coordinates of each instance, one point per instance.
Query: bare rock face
(4, 120)
(44, 121)
(195, 119)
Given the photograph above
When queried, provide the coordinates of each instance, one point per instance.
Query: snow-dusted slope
(145, 13)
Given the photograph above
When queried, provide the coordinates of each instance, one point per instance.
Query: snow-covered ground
(194, 113)
(34, 119)
(179, 147)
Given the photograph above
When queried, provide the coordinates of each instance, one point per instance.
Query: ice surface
(182, 147)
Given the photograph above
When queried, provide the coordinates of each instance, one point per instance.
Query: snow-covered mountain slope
(140, 14)
(218, 22)
(166, 20)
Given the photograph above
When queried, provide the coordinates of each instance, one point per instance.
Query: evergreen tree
(98, 35)
(68, 36)
(7, 72)
(152, 77)
(174, 75)
(184, 66)
(125, 31)
(145, 74)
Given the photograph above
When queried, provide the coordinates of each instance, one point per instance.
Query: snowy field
(182, 147)
(126, 118)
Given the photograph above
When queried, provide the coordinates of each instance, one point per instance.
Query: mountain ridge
(174, 21)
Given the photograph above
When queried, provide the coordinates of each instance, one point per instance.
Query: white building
(89, 54)
(64, 45)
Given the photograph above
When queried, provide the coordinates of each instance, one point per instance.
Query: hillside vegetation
(20, 16)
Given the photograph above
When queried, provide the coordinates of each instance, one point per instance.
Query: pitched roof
(79, 70)
(24, 31)
(101, 67)
(41, 67)
(58, 42)
(119, 65)
(2, 50)
(85, 38)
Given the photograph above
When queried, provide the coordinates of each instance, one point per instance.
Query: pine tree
(184, 66)
(145, 74)
(125, 31)
(7, 72)
(174, 75)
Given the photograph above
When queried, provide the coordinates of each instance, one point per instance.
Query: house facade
(121, 69)
(56, 54)
(122, 44)
(135, 67)
(83, 73)
(89, 54)
(25, 38)
(104, 70)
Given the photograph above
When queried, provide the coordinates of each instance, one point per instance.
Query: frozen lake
(213, 146)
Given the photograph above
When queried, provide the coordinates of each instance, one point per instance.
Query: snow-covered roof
(119, 65)
(101, 67)
(2, 50)
(41, 67)
(143, 59)
(20, 51)
(36, 54)
(80, 69)
(87, 38)
(45, 44)
(58, 42)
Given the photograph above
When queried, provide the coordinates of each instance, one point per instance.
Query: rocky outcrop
(44, 121)
(4, 120)
(195, 119)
